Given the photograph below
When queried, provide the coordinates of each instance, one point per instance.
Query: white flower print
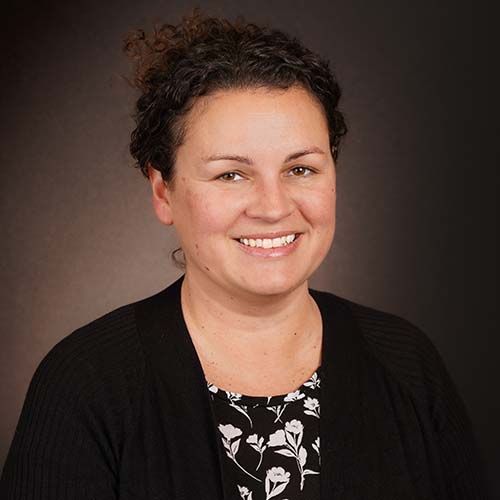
(245, 493)
(278, 410)
(295, 427)
(258, 445)
(244, 410)
(312, 407)
(294, 431)
(294, 396)
(315, 446)
(212, 388)
(229, 431)
(277, 438)
(313, 382)
(279, 479)
(233, 397)
(229, 434)
(289, 445)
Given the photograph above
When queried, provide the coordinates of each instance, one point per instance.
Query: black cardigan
(120, 409)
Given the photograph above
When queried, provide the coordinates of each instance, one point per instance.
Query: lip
(272, 253)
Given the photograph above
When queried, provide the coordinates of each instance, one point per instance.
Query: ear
(161, 197)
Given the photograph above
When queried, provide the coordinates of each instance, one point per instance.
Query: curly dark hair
(176, 64)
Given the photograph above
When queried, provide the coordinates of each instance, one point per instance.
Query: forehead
(246, 114)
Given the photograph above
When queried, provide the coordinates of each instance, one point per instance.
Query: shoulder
(82, 402)
(100, 359)
(390, 336)
(106, 338)
(402, 348)
(407, 357)
(383, 331)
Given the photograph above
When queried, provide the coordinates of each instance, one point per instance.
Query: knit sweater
(120, 409)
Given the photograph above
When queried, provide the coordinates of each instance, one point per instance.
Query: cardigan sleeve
(57, 451)
(460, 458)
(414, 360)
(75, 416)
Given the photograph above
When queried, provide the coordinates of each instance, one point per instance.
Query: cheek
(323, 220)
(320, 206)
(207, 214)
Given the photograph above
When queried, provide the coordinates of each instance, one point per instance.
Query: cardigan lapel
(194, 454)
(361, 455)
(340, 397)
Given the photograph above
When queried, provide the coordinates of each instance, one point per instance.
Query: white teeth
(268, 243)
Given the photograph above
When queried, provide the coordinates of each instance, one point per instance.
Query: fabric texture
(271, 444)
(120, 409)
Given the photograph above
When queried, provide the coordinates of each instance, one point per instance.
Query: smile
(267, 242)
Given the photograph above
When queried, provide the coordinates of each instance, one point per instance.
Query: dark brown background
(416, 231)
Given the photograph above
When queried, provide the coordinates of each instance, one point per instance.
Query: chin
(274, 285)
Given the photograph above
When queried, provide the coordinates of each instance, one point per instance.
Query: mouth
(263, 242)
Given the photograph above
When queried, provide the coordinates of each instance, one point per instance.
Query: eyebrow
(248, 161)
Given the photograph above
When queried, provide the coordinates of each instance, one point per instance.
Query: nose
(270, 201)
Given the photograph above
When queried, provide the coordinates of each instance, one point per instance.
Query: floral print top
(271, 443)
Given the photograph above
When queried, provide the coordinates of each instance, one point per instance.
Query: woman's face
(256, 165)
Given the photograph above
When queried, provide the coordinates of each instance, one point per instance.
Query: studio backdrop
(416, 216)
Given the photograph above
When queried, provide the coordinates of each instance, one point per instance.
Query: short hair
(201, 55)
(176, 64)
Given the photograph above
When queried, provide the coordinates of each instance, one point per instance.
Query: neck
(247, 326)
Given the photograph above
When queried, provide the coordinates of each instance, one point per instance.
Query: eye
(229, 176)
(301, 171)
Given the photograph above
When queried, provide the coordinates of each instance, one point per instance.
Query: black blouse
(271, 443)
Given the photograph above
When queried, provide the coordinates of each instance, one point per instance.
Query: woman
(212, 388)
